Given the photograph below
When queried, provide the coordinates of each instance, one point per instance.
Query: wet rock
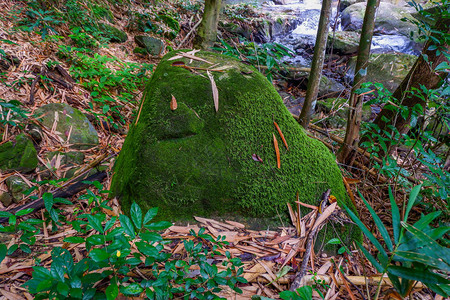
(343, 42)
(386, 68)
(329, 87)
(112, 33)
(70, 121)
(16, 186)
(151, 45)
(388, 20)
(336, 110)
(19, 155)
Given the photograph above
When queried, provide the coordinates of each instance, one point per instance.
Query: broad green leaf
(127, 225)
(63, 289)
(74, 240)
(158, 225)
(112, 291)
(151, 213)
(131, 289)
(136, 215)
(367, 233)
(395, 217)
(423, 276)
(424, 259)
(151, 236)
(98, 255)
(24, 212)
(383, 231)
(48, 200)
(412, 199)
(3, 250)
(434, 249)
(95, 223)
(426, 220)
(334, 241)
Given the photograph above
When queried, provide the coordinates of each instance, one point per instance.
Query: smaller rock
(153, 46)
(336, 110)
(19, 155)
(329, 87)
(343, 42)
(71, 122)
(17, 186)
(112, 33)
(35, 132)
(6, 199)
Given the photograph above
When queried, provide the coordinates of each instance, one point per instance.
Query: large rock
(196, 161)
(388, 69)
(329, 87)
(112, 33)
(70, 121)
(388, 20)
(19, 155)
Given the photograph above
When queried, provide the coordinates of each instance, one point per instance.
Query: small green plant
(11, 113)
(43, 22)
(111, 257)
(343, 249)
(26, 231)
(413, 254)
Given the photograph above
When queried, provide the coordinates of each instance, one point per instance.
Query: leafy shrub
(110, 260)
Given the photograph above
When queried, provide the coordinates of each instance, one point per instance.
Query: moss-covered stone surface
(196, 161)
(70, 123)
(19, 155)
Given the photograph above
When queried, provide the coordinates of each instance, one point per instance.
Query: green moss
(112, 33)
(195, 161)
(19, 155)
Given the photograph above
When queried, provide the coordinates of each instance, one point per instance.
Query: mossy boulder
(150, 45)
(336, 110)
(70, 122)
(115, 35)
(196, 161)
(19, 155)
(387, 68)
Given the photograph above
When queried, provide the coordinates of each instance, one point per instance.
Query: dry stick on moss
(302, 272)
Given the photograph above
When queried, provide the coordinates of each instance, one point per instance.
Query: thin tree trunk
(207, 32)
(317, 65)
(422, 74)
(351, 139)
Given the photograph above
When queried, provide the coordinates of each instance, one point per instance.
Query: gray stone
(388, 68)
(70, 121)
(343, 42)
(152, 46)
(112, 33)
(16, 186)
(19, 155)
(388, 20)
(329, 87)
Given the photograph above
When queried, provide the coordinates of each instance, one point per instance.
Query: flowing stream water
(301, 40)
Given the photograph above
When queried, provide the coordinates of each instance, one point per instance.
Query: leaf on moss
(173, 103)
(277, 151)
(281, 134)
(256, 157)
(215, 91)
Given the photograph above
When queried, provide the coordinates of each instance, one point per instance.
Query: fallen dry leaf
(173, 103)
(326, 213)
(256, 157)
(281, 134)
(277, 151)
(214, 91)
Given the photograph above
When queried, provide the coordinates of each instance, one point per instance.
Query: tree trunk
(351, 139)
(422, 74)
(317, 64)
(207, 31)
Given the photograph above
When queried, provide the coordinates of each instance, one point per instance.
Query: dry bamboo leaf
(236, 224)
(10, 296)
(215, 91)
(184, 229)
(326, 213)
(292, 214)
(307, 205)
(277, 151)
(281, 134)
(352, 180)
(349, 190)
(173, 103)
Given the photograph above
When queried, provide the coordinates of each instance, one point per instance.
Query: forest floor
(264, 253)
